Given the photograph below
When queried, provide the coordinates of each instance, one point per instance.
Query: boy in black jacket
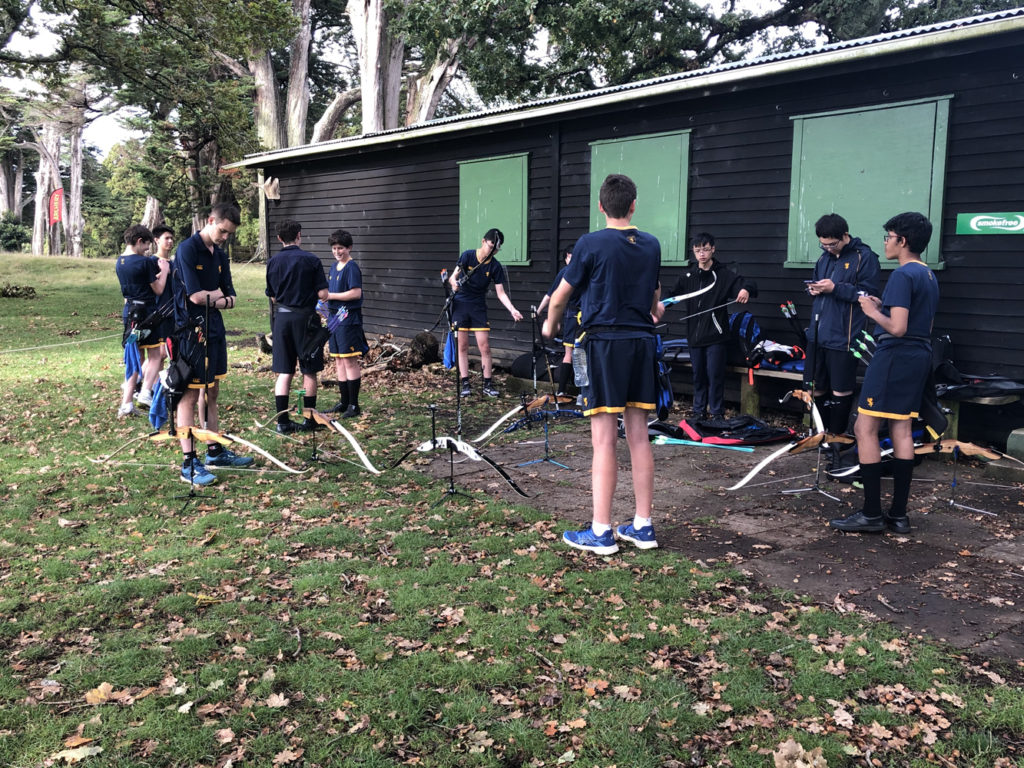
(707, 327)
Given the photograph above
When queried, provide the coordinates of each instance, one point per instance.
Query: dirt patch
(957, 577)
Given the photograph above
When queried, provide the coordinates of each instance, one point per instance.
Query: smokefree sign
(990, 224)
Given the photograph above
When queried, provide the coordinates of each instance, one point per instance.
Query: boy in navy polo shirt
(616, 271)
(896, 376)
(474, 272)
(203, 287)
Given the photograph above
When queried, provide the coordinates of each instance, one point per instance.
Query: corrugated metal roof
(866, 47)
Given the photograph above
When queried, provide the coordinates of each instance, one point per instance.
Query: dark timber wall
(401, 203)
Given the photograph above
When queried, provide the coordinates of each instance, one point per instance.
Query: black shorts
(348, 341)
(289, 339)
(835, 370)
(895, 381)
(470, 315)
(623, 373)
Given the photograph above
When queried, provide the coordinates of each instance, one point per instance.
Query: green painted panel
(492, 193)
(658, 164)
(867, 166)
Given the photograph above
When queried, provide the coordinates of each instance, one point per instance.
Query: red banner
(56, 204)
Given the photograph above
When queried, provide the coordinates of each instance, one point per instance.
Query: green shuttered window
(659, 165)
(492, 193)
(867, 165)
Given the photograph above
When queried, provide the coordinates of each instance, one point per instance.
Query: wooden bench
(952, 408)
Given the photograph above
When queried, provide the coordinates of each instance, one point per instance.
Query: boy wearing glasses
(473, 275)
(846, 269)
(897, 375)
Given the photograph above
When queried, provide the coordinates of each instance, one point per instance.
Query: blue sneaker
(196, 474)
(643, 538)
(228, 458)
(589, 541)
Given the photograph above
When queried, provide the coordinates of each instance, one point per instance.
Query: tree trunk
(152, 215)
(424, 92)
(265, 107)
(47, 180)
(74, 223)
(298, 76)
(329, 121)
(380, 64)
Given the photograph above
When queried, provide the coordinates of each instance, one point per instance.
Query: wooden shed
(929, 119)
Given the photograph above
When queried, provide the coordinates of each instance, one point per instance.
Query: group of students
(605, 303)
(613, 273)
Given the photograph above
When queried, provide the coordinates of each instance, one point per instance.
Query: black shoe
(490, 390)
(466, 390)
(341, 407)
(897, 524)
(286, 427)
(858, 522)
(308, 425)
(352, 412)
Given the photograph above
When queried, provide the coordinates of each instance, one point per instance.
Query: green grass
(337, 619)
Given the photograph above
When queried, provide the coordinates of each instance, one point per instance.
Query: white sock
(641, 522)
(600, 529)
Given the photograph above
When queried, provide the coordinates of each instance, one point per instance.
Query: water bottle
(579, 365)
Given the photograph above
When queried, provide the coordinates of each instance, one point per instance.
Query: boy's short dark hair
(340, 237)
(494, 235)
(913, 227)
(159, 229)
(137, 232)
(702, 238)
(288, 231)
(832, 225)
(227, 212)
(617, 193)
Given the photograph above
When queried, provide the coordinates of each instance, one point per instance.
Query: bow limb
(108, 456)
(813, 441)
(762, 464)
(967, 449)
(334, 424)
(266, 424)
(684, 296)
(272, 459)
(847, 471)
(505, 417)
(473, 454)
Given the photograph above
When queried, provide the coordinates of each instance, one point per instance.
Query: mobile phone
(810, 281)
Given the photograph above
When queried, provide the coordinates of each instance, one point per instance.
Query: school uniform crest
(631, 239)
(846, 265)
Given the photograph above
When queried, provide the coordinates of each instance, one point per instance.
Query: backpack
(665, 397)
(744, 335)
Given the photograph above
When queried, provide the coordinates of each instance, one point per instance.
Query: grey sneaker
(490, 390)
(228, 458)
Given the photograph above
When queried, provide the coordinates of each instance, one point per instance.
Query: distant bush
(13, 234)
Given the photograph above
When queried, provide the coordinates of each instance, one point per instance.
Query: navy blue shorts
(570, 328)
(622, 372)
(289, 338)
(895, 381)
(348, 341)
(835, 370)
(216, 352)
(470, 315)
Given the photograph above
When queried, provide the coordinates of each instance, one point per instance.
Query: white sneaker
(144, 397)
(126, 410)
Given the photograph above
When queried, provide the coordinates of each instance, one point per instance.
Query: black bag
(744, 335)
(522, 366)
(314, 339)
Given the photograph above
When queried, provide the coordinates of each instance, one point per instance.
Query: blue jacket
(839, 316)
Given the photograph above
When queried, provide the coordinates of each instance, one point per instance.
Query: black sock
(309, 401)
(839, 418)
(214, 449)
(343, 389)
(824, 404)
(281, 408)
(902, 471)
(353, 391)
(871, 477)
(187, 459)
(564, 374)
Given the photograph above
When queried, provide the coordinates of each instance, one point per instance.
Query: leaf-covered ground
(339, 618)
